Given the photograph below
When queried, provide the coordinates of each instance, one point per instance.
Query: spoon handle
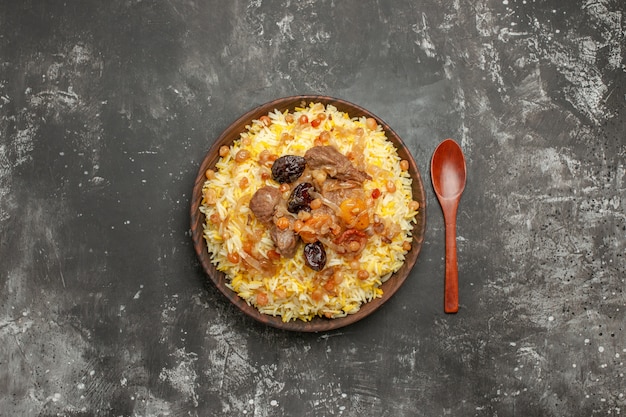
(451, 283)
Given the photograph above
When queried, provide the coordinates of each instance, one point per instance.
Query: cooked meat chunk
(334, 163)
(264, 202)
(286, 241)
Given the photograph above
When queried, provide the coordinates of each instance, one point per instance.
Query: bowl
(317, 324)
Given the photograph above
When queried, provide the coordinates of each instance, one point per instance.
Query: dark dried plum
(288, 168)
(315, 256)
(300, 198)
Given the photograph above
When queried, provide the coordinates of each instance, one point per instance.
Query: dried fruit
(354, 213)
(300, 198)
(288, 168)
(315, 256)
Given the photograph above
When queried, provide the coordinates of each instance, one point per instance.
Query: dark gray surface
(107, 109)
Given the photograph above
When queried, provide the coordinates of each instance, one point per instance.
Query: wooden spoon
(447, 171)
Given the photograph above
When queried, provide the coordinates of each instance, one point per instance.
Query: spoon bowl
(448, 174)
(448, 170)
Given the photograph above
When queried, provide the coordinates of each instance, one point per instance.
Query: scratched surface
(107, 109)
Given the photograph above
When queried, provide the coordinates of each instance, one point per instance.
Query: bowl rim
(219, 279)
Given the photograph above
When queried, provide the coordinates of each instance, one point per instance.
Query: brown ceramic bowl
(318, 324)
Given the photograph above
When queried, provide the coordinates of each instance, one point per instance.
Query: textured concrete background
(108, 107)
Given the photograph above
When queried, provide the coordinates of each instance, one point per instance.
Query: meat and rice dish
(308, 212)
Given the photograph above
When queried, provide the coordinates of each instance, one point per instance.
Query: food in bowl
(308, 212)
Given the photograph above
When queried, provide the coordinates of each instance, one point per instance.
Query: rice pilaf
(365, 236)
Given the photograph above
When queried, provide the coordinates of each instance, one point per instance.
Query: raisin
(288, 168)
(315, 256)
(300, 198)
